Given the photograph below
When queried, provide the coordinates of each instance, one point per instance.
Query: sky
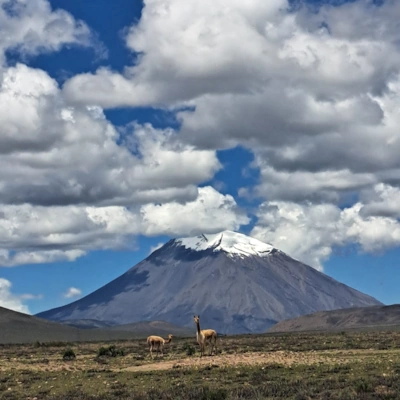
(125, 124)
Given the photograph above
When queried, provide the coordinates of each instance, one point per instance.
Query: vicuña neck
(198, 326)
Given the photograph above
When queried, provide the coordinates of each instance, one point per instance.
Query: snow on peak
(233, 243)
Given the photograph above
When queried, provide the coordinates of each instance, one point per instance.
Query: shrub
(110, 351)
(189, 349)
(69, 355)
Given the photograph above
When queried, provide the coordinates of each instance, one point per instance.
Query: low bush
(110, 351)
(69, 355)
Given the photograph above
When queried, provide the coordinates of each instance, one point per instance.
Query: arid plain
(341, 365)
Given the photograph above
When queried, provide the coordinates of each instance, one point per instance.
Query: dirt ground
(286, 358)
(268, 366)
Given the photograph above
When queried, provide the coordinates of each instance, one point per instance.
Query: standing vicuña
(205, 336)
(157, 343)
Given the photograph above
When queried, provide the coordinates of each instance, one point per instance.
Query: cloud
(211, 49)
(72, 292)
(71, 182)
(13, 258)
(381, 201)
(211, 212)
(311, 232)
(156, 247)
(38, 234)
(313, 93)
(278, 115)
(10, 300)
(32, 27)
(314, 186)
(29, 296)
(53, 154)
(185, 51)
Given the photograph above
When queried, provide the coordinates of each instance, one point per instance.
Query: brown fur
(157, 343)
(205, 336)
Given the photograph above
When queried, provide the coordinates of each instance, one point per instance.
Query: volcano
(237, 284)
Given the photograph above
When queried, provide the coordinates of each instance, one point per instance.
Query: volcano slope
(236, 283)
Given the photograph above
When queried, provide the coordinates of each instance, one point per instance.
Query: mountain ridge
(379, 316)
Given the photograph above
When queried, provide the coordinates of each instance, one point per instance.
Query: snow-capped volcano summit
(232, 243)
(236, 283)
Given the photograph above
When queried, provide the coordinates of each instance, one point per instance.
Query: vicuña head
(204, 336)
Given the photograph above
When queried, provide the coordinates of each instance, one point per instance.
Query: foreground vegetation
(297, 366)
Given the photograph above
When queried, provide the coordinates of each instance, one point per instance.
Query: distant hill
(350, 318)
(17, 327)
(161, 328)
(137, 328)
(87, 323)
(236, 283)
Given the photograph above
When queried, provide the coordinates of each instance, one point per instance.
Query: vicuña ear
(198, 316)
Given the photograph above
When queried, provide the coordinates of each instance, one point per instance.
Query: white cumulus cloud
(53, 154)
(64, 233)
(13, 301)
(69, 187)
(211, 212)
(313, 93)
(72, 292)
(311, 232)
(32, 27)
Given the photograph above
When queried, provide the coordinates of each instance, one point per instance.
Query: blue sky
(126, 124)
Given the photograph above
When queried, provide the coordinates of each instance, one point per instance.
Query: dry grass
(298, 366)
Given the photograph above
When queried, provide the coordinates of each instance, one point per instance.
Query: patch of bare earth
(283, 357)
(286, 358)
